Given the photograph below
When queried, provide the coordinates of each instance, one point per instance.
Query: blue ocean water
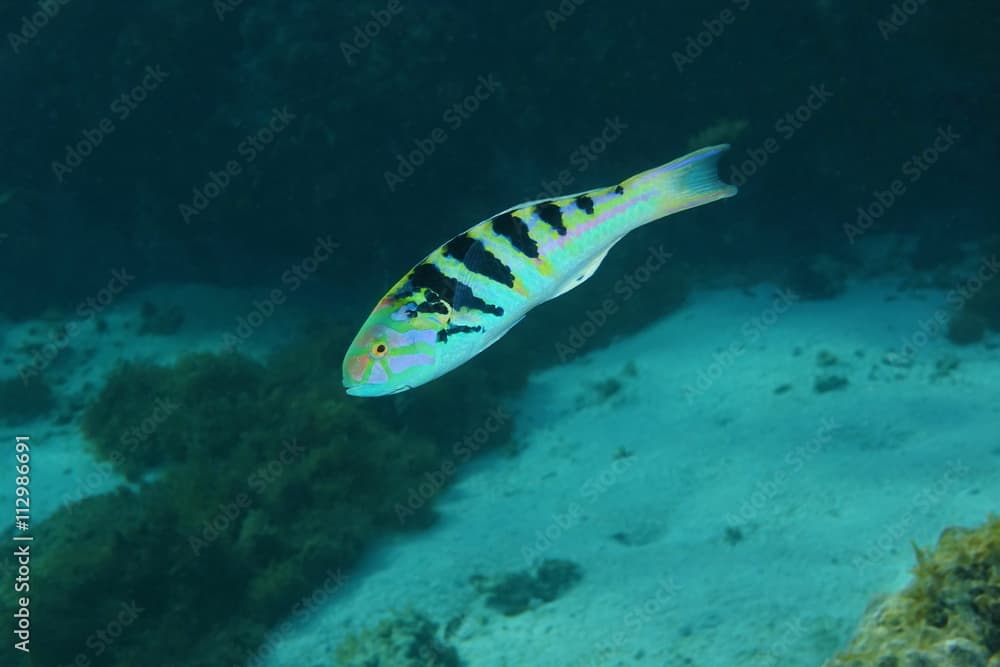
(727, 444)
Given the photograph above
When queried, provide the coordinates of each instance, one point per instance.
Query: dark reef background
(563, 70)
(213, 141)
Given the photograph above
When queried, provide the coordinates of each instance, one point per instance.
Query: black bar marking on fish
(443, 334)
(552, 216)
(459, 246)
(585, 204)
(476, 258)
(451, 291)
(619, 190)
(436, 306)
(515, 230)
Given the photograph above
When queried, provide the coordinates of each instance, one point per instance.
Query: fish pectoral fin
(588, 270)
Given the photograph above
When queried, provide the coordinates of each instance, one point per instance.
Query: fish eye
(379, 349)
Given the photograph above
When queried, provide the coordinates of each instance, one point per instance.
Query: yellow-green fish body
(469, 292)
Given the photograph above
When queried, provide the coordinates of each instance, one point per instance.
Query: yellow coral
(949, 614)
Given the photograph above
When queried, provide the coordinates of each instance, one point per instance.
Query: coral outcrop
(948, 616)
(407, 639)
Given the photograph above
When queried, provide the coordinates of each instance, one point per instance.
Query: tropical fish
(472, 290)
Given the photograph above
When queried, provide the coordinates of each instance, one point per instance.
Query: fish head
(395, 350)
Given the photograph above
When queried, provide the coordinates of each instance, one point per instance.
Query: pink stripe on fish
(596, 220)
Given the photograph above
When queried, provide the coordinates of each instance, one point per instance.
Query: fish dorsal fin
(525, 205)
(587, 271)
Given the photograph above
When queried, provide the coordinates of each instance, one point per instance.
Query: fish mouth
(369, 390)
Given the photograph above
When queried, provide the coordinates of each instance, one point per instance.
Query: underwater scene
(543, 333)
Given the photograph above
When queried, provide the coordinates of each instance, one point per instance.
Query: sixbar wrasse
(469, 292)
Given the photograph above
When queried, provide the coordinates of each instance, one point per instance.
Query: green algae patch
(107, 580)
(948, 615)
(514, 593)
(253, 483)
(147, 415)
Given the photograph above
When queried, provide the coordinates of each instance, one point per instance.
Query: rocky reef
(263, 93)
(948, 616)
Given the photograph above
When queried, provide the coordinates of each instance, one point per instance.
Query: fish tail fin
(685, 183)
